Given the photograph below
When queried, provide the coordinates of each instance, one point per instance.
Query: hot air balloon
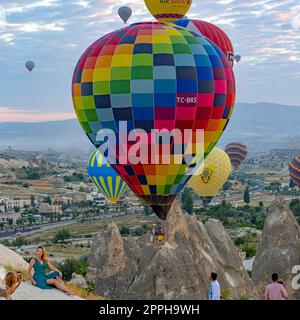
(215, 172)
(294, 170)
(212, 32)
(237, 58)
(30, 65)
(166, 11)
(237, 153)
(125, 13)
(105, 177)
(154, 76)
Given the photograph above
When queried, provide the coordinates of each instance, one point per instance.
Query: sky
(54, 34)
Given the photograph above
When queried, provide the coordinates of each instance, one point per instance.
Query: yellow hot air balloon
(216, 171)
(168, 10)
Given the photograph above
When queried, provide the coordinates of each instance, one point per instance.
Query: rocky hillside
(279, 250)
(8, 163)
(178, 269)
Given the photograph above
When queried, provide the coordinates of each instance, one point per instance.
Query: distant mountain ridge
(262, 126)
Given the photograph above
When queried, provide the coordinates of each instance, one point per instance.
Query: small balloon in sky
(30, 65)
(125, 13)
(237, 58)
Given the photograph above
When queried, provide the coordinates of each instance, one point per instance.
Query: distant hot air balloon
(237, 153)
(176, 81)
(30, 65)
(294, 170)
(216, 171)
(125, 13)
(212, 32)
(167, 11)
(105, 177)
(237, 58)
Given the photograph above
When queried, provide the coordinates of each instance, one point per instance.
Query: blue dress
(40, 276)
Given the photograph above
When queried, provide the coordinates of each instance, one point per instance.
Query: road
(10, 234)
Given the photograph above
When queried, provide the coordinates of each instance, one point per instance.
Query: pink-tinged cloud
(17, 115)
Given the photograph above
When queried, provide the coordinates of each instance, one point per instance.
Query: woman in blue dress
(40, 278)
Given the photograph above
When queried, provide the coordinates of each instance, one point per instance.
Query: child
(12, 283)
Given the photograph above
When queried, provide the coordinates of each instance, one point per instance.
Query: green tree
(147, 210)
(48, 200)
(187, 200)
(250, 249)
(227, 186)
(295, 207)
(247, 195)
(31, 219)
(32, 200)
(292, 183)
(62, 235)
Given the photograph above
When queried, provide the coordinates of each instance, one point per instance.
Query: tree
(292, 183)
(31, 219)
(247, 195)
(48, 200)
(227, 185)
(295, 207)
(62, 235)
(147, 210)
(187, 201)
(32, 200)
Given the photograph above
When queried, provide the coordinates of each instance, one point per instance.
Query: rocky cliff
(279, 249)
(178, 269)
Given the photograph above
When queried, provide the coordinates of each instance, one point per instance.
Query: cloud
(32, 115)
(2, 17)
(20, 7)
(37, 27)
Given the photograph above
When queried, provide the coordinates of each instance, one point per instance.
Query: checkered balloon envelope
(154, 76)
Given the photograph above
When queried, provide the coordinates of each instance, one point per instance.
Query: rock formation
(112, 262)
(78, 280)
(178, 269)
(12, 261)
(279, 249)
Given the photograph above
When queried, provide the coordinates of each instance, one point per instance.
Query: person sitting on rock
(40, 278)
(12, 283)
(275, 290)
(214, 291)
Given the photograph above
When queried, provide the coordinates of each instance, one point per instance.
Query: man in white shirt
(214, 291)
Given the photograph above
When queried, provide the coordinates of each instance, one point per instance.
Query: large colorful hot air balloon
(294, 170)
(212, 32)
(154, 76)
(214, 173)
(30, 65)
(125, 13)
(237, 153)
(166, 10)
(105, 177)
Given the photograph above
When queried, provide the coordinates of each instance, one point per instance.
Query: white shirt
(215, 291)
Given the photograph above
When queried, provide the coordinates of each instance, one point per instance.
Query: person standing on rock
(275, 290)
(214, 291)
(40, 278)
